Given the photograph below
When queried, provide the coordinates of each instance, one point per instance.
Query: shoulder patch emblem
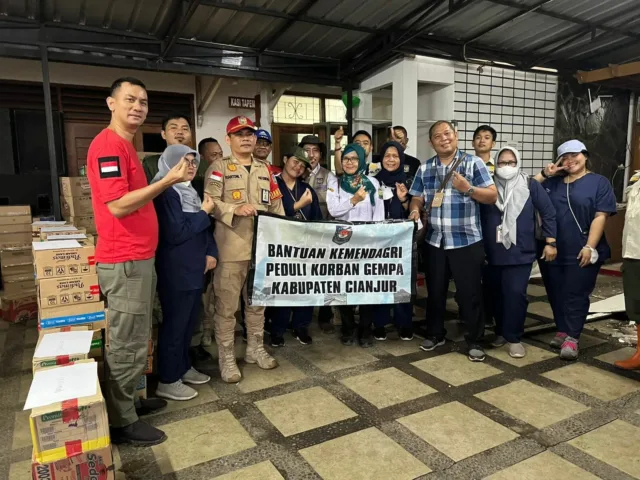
(231, 167)
(109, 167)
(236, 195)
(215, 176)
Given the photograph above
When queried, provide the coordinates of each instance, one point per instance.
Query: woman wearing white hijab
(508, 229)
(186, 251)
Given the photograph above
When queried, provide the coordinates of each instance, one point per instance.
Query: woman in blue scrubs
(508, 229)
(395, 194)
(186, 251)
(299, 201)
(583, 201)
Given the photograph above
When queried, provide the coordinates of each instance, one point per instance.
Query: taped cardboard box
(19, 307)
(64, 429)
(76, 206)
(92, 315)
(73, 290)
(17, 239)
(64, 357)
(38, 225)
(17, 272)
(75, 186)
(62, 258)
(16, 256)
(16, 220)
(93, 465)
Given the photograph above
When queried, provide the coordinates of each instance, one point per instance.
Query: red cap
(239, 123)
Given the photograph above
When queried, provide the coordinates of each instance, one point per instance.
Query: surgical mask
(507, 173)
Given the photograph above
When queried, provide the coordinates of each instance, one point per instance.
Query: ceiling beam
(612, 71)
(568, 18)
(286, 16)
(273, 37)
(178, 27)
(511, 18)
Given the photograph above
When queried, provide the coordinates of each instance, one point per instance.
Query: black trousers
(465, 266)
(347, 314)
(508, 285)
(324, 315)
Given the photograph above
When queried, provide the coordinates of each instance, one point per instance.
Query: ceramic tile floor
(389, 412)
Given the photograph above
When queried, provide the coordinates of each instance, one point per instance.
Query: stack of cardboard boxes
(75, 202)
(18, 298)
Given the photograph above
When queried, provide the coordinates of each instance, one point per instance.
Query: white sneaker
(177, 391)
(517, 350)
(194, 377)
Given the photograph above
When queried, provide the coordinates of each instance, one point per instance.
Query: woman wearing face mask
(299, 201)
(186, 251)
(353, 197)
(583, 201)
(508, 229)
(395, 196)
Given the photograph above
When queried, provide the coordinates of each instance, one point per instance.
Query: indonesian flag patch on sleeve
(216, 176)
(109, 167)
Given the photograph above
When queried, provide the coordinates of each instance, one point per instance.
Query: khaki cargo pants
(130, 289)
(206, 322)
(229, 282)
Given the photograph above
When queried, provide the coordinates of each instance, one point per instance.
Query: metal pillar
(350, 111)
(48, 109)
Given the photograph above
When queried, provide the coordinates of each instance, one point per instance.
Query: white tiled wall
(520, 106)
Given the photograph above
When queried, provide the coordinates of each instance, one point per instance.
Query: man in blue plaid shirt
(453, 245)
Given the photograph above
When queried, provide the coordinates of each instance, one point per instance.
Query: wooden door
(78, 136)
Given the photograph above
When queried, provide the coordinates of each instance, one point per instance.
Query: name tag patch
(266, 195)
(109, 167)
(228, 177)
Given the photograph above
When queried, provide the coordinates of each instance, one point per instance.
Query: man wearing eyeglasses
(241, 185)
(451, 186)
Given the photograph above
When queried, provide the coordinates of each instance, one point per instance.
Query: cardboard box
(21, 285)
(75, 186)
(15, 239)
(76, 206)
(93, 465)
(16, 256)
(18, 272)
(92, 315)
(62, 258)
(19, 307)
(16, 220)
(38, 225)
(45, 362)
(141, 387)
(65, 429)
(15, 210)
(55, 292)
(84, 222)
(64, 230)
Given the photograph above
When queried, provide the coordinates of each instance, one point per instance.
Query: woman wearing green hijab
(353, 197)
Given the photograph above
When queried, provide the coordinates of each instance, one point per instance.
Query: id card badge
(265, 195)
(438, 198)
(499, 234)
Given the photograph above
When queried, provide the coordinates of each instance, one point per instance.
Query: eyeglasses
(512, 163)
(350, 160)
(193, 162)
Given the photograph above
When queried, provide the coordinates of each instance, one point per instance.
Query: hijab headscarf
(397, 176)
(189, 198)
(512, 197)
(352, 183)
(392, 206)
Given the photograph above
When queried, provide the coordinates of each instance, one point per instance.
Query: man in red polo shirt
(128, 236)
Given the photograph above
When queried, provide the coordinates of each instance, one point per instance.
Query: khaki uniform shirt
(230, 185)
(318, 180)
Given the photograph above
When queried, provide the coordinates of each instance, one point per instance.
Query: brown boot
(227, 361)
(257, 354)
(632, 363)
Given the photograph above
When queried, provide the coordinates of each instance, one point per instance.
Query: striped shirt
(456, 223)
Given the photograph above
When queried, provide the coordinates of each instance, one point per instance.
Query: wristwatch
(470, 192)
(552, 244)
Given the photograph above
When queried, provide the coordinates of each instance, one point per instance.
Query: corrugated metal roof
(358, 33)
